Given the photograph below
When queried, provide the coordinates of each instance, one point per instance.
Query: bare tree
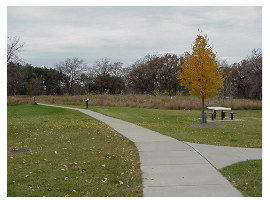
(246, 76)
(72, 68)
(106, 67)
(102, 67)
(108, 76)
(154, 73)
(255, 63)
(14, 47)
(256, 60)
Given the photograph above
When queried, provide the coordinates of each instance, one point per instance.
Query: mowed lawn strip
(178, 124)
(246, 177)
(71, 154)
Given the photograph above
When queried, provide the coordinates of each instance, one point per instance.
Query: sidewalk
(173, 168)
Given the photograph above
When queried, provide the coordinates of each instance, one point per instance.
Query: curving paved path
(173, 168)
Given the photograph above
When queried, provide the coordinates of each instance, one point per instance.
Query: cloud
(122, 31)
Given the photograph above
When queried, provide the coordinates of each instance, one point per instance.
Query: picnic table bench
(213, 115)
(232, 113)
(224, 110)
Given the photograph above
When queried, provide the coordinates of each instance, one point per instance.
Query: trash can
(204, 117)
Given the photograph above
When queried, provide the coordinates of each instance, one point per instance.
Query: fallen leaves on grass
(121, 182)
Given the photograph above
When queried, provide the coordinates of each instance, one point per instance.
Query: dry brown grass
(139, 100)
(20, 99)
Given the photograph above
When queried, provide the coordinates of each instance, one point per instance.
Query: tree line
(244, 79)
(152, 74)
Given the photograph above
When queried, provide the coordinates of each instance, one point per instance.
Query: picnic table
(222, 109)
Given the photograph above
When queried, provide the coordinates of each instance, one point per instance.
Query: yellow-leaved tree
(200, 73)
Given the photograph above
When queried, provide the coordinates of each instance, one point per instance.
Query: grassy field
(246, 177)
(68, 154)
(53, 167)
(178, 124)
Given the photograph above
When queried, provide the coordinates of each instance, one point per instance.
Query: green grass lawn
(246, 177)
(71, 154)
(177, 124)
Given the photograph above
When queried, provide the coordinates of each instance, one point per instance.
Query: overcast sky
(52, 34)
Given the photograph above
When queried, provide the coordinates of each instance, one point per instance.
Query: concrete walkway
(173, 168)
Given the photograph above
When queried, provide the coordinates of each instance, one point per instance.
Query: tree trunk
(203, 116)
